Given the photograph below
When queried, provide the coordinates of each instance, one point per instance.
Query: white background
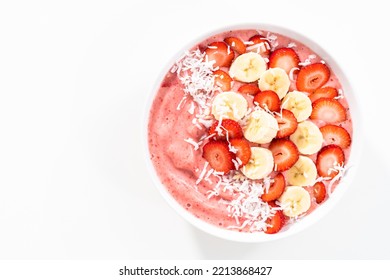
(75, 77)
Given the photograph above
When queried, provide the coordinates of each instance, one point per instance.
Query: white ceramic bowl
(322, 210)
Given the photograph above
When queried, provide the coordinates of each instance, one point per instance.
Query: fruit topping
(247, 67)
(219, 156)
(285, 153)
(227, 126)
(222, 80)
(236, 44)
(276, 189)
(325, 92)
(295, 201)
(329, 157)
(328, 110)
(260, 45)
(334, 134)
(243, 149)
(249, 89)
(275, 79)
(302, 173)
(275, 223)
(312, 77)
(268, 100)
(285, 58)
(319, 192)
(220, 53)
(287, 123)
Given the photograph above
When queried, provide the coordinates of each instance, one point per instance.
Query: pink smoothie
(172, 133)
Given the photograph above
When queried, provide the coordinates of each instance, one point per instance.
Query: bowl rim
(321, 211)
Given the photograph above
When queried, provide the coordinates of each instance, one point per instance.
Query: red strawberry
(249, 89)
(275, 223)
(218, 155)
(325, 92)
(219, 52)
(319, 192)
(334, 134)
(285, 153)
(232, 127)
(328, 110)
(285, 58)
(243, 149)
(312, 77)
(223, 80)
(287, 124)
(269, 99)
(236, 44)
(276, 189)
(260, 44)
(327, 158)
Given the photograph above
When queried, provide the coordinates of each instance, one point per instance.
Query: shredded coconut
(307, 60)
(341, 171)
(291, 73)
(196, 74)
(291, 45)
(192, 142)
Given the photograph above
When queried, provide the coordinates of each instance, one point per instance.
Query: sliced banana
(275, 79)
(229, 105)
(261, 127)
(302, 173)
(260, 164)
(247, 67)
(295, 201)
(308, 138)
(298, 103)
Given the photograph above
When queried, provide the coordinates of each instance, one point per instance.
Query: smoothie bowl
(251, 133)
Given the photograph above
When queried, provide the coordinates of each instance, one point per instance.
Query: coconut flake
(307, 60)
(291, 73)
(291, 45)
(340, 95)
(193, 143)
(341, 169)
(202, 173)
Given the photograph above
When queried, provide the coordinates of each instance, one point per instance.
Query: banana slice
(261, 127)
(275, 79)
(247, 67)
(308, 138)
(260, 164)
(295, 201)
(302, 173)
(298, 103)
(229, 105)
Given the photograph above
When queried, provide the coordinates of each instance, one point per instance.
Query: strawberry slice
(232, 128)
(327, 158)
(220, 53)
(268, 99)
(287, 123)
(243, 150)
(249, 89)
(325, 92)
(223, 80)
(328, 110)
(275, 223)
(285, 58)
(236, 44)
(260, 45)
(276, 189)
(319, 192)
(218, 156)
(334, 134)
(312, 77)
(285, 153)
